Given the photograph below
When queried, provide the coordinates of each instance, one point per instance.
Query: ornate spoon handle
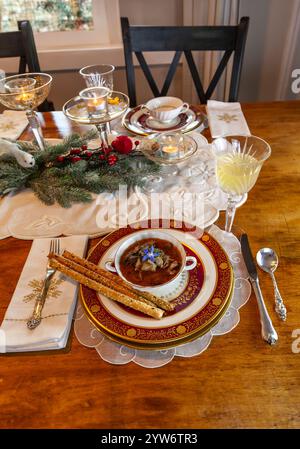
(279, 304)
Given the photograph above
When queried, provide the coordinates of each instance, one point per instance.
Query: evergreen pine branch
(12, 175)
(74, 141)
(69, 183)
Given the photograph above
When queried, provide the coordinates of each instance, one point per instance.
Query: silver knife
(267, 329)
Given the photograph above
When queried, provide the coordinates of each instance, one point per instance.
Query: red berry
(60, 158)
(136, 143)
(102, 157)
(112, 159)
(75, 159)
(75, 151)
(122, 144)
(84, 147)
(88, 153)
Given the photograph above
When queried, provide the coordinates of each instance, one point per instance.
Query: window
(47, 15)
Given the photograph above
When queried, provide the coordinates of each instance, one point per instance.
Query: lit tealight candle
(170, 152)
(95, 99)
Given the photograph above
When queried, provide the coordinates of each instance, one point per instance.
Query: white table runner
(24, 216)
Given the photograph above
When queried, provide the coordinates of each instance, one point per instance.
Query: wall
(270, 21)
(267, 43)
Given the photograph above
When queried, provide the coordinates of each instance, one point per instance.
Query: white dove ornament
(24, 159)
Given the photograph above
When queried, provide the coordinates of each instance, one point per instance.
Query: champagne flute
(99, 75)
(238, 162)
(25, 92)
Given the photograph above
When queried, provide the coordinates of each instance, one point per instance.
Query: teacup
(187, 262)
(166, 109)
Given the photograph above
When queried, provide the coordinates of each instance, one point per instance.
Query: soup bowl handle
(109, 266)
(192, 265)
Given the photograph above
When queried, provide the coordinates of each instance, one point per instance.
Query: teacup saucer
(138, 121)
(156, 124)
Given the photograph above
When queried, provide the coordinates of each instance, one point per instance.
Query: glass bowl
(26, 91)
(168, 148)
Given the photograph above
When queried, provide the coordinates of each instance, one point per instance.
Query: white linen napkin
(53, 331)
(12, 124)
(226, 119)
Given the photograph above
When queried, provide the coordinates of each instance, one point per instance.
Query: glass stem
(36, 129)
(230, 213)
(102, 130)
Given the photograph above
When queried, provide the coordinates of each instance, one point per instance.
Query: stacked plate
(139, 121)
(201, 296)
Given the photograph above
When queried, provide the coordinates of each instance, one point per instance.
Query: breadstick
(134, 294)
(112, 294)
(162, 303)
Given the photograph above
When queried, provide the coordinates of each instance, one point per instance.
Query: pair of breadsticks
(89, 274)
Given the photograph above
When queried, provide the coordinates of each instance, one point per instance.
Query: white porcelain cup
(165, 109)
(187, 262)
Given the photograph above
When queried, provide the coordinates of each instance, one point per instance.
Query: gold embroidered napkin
(12, 124)
(226, 119)
(53, 331)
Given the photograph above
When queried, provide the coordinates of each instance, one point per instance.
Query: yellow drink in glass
(238, 163)
(237, 173)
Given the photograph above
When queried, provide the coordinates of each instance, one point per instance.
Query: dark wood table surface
(239, 382)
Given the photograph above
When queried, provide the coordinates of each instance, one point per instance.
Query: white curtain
(208, 12)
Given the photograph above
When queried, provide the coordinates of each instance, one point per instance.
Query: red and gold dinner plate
(201, 296)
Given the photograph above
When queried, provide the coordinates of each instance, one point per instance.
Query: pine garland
(56, 178)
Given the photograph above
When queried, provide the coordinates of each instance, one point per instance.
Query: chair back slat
(139, 39)
(171, 73)
(147, 73)
(195, 75)
(148, 38)
(218, 73)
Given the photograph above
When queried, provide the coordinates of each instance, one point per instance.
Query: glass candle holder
(93, 107)
(99, 75)
(21, 85)
(95, 99)
(168, 150)
(25, 92)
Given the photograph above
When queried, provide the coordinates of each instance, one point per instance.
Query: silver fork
(36, 317)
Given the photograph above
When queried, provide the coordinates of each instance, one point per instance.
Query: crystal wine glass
(99, 75)
(24, 93)
(238, 162)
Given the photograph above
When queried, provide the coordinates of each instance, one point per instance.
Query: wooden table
(239, 382)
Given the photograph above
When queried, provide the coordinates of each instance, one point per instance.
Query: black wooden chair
(21, 44)
(184, 39)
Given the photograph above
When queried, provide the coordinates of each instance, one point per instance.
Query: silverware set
(36, 317)
(267, 260)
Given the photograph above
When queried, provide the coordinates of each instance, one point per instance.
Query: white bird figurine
(24, 159)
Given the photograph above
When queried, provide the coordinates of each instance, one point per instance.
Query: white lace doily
(118, 354)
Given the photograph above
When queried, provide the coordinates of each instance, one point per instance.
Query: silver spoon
(267, 260)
